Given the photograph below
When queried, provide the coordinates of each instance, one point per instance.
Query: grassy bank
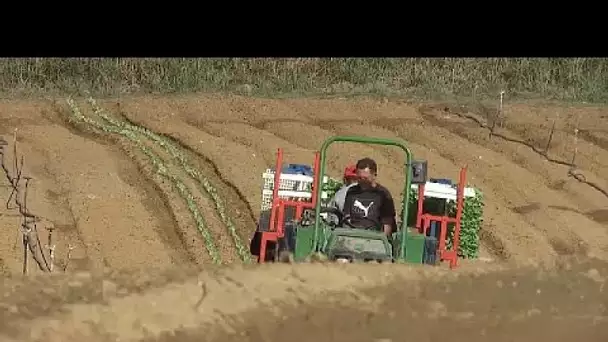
(581, 79)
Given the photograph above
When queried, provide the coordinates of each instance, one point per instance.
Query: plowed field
(159, 182)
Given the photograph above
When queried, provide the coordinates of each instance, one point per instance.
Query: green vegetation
(577, 79)
(136, 134)
(470, 223)
(176, 152)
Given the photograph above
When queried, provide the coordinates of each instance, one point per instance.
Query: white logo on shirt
(360, 205)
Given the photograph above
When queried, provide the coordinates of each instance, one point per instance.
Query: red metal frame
(423, 222)
(277, 212)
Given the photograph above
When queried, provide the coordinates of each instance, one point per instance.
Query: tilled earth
(313, 302)
(140, 185)
(146, 180)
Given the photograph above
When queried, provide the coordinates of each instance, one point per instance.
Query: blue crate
(296, 169)
(441, 181)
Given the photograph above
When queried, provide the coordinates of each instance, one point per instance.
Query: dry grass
(577, 79)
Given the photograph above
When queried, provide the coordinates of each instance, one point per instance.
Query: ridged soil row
(107, 208)
(165, 168)
(534, 122)
(522, 189)
(215, 216)
(582, 198)
(263, 142)
(191, 236)
(195, 144)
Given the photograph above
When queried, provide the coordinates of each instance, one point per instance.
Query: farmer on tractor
(349, 179)
(369, 205)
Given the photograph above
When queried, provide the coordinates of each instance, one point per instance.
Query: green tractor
(301, 229)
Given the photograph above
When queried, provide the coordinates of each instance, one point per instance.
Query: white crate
(445, 191)
(285, 194)
(293, 186)
(288, 181)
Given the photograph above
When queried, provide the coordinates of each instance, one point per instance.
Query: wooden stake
(550, 136)
(51, 248)
(573, 161)
(25, 247)
(68, 257)
(499, 114)
(500, 111)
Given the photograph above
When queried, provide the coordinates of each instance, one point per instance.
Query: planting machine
(303, 227)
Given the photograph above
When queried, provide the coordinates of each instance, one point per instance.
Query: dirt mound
(312, 303)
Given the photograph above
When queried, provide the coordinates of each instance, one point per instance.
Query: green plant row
(470, 222)
(204, 183)
(161, 170)
(558, 78)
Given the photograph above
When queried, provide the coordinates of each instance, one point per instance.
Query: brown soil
(105, 199)
(312, 302)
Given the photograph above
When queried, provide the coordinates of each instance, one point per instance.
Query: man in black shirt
(368, 204)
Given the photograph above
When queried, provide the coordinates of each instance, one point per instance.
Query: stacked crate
(296, 184)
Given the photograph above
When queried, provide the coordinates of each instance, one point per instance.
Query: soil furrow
(522, 153)
(221, 238)
(184, 238)
(535, 125)
(582, 199)
(262, 141)
(205, 195)
(191, 242)
(101, 212)
(203, 145)
(176, 230)
(210, 181)
(161, 169)
(524, 191)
